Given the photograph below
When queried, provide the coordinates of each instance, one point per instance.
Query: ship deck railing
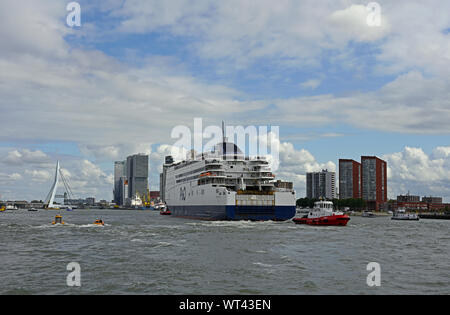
(254, 192)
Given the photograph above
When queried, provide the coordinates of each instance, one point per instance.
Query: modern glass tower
(120, 175)
(137, 174)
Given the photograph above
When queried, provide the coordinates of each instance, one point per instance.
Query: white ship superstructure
(226, 185)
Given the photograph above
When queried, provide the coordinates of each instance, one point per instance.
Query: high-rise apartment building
(373, 181)
(349, 179)
(321, 185)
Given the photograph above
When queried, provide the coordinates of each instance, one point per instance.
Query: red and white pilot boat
(163, 209)
(323, 214)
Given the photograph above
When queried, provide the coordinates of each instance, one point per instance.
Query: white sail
(51, 195)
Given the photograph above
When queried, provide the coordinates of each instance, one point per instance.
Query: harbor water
(142, 252)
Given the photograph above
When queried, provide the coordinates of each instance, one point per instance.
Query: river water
(142, 252)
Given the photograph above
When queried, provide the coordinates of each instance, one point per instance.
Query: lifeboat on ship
(323, 214)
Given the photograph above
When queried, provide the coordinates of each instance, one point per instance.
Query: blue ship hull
(251, 213)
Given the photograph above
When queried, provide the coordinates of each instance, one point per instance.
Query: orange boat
(99, 222)
(58, 220)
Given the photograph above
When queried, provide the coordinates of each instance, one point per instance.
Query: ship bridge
(228, 150)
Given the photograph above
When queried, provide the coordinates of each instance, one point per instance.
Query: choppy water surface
(142, 252)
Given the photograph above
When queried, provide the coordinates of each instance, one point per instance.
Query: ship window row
(187, 179)
(205, 181)
(184, 164)
(191, 172)
(208, 167)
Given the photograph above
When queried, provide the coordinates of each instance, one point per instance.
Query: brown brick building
(374, 181)
(349, 179)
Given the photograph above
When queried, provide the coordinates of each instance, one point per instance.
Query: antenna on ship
(224, 141)
(223, 132)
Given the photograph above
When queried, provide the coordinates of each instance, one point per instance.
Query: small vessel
(368, 214)
(136, 202)
(401, 215)
(2, 209)
(323, 214)
(163, 210)
(58, 220)
(32, 209)
(160, 205)
(11, 207)
(99, 222)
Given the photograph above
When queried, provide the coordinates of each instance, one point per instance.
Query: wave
(262, 264)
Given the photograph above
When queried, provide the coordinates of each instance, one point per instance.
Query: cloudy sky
(119, 83)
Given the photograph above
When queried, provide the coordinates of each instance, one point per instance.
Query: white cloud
(420, 173)
(33, 27)
(10, 177)
(351, 24)
(411, 35)
(114, 152)
(243, 31)
(99, 103)
(412, 103)
(39, 175)
(311, 84)
(294, 164)
(26, 156)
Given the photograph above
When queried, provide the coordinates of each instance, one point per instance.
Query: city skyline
(119, 83)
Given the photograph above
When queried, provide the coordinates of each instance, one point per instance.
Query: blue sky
(134, 70)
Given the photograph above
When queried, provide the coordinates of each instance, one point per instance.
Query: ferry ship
(401, 215)
(225, 185)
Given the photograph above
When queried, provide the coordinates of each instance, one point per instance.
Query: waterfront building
(434, 200)
(349, 179)
(123, 191)
(408, 198)
(120, 174)
(374, 181)
(90, 201)
(137, 175)
(321, 185)
(154, 195)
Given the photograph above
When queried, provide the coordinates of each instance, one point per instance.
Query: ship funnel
(168, 159)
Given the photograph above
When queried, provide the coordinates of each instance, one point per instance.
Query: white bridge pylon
(49, 201)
